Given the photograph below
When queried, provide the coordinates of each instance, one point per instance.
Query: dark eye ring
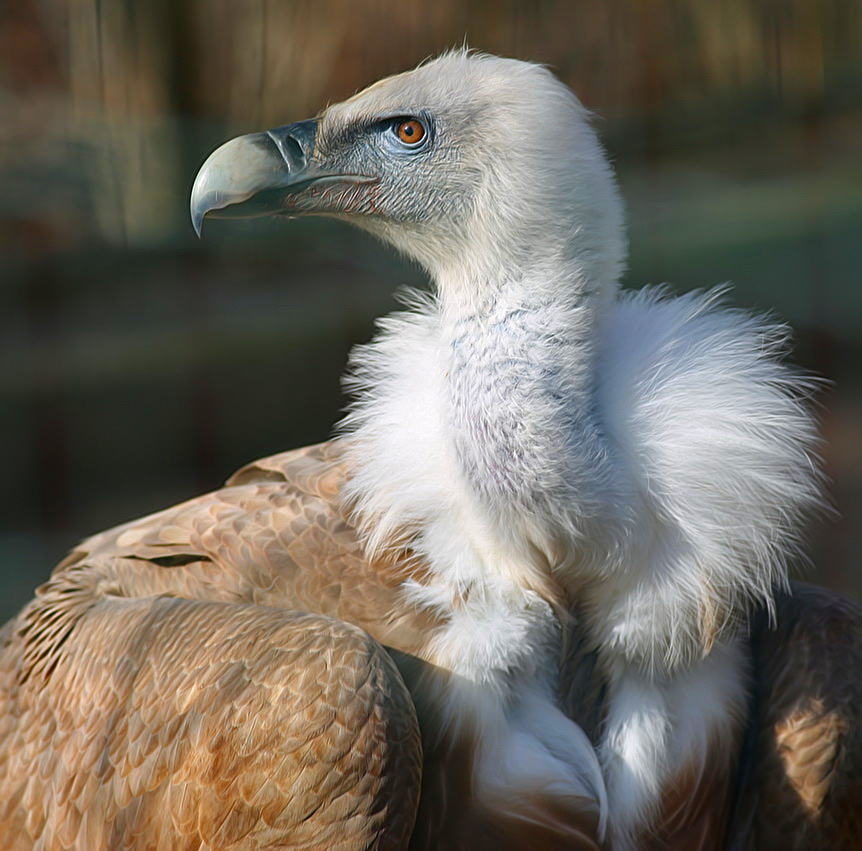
(410, 132)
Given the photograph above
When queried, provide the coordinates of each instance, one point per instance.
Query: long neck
(519, 388)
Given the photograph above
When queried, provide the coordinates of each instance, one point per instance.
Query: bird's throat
(517, 395)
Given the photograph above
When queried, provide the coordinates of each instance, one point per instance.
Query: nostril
(295, 149)
(291, 151)
(295, 142)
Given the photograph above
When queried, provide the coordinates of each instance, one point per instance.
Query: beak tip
(197, 221)
(205, 198)
(197, 208)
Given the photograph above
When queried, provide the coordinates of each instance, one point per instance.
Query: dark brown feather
(804, 787)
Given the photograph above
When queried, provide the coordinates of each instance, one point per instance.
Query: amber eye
(410, 132)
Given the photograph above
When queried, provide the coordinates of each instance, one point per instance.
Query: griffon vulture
(535, 594)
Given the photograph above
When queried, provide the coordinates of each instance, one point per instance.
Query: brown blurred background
(139, 366)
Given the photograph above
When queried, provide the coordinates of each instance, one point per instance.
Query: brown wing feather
(804, 789)
(169, 723)
(695, 808)
(131, 708)
(275, 536)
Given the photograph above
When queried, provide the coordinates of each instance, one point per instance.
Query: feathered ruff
(716, 435)
(494, 593)
(686, 469)
(695, 467)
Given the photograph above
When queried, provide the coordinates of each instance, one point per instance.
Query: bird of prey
(533, 596)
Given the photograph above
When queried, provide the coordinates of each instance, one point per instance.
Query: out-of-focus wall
(138, 366)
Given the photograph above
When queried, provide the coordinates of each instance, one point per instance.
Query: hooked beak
(268, 173)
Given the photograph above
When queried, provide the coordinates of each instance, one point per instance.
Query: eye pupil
(410, 132)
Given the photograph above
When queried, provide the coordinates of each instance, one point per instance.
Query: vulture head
(469, 164)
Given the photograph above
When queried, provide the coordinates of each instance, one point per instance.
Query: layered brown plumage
(213, 676)
(162, 690)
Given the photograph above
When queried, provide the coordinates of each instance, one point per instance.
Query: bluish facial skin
(372, 150)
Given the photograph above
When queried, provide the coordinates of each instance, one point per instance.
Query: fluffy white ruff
(689, 474)
(719, 451)
(671, 499)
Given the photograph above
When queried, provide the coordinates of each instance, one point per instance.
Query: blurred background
(139, 366)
